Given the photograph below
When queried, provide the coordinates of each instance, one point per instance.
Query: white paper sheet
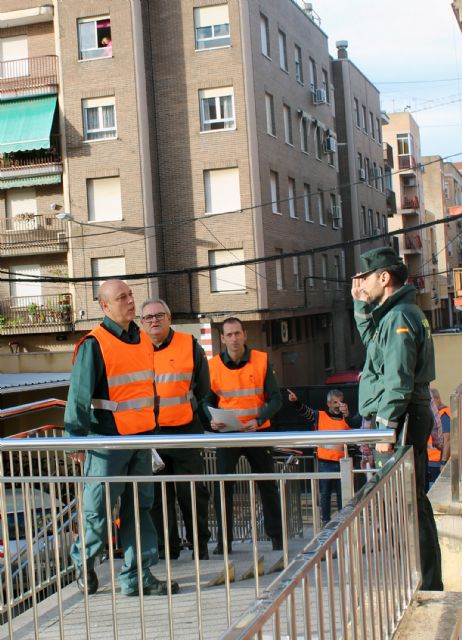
(227, 417)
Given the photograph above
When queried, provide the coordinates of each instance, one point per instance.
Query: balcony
(29, 76)
(38, 166)
(36, 314)
(28, 233)
(418, 282)
(391, 201)
(412, 243)
(388, 154)
(411, 203)
(407, 162)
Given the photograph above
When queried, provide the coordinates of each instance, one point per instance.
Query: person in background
(182, 382)
(394, 385)
(336, 418)
(111, 393)
(243, 380)
(445, 415)
(434, 447)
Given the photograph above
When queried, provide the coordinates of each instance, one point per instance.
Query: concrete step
(434, 615)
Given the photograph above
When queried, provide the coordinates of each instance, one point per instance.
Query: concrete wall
(448, 348)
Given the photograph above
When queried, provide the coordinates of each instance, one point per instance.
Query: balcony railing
(31, 314)
(406, 162)
(412, 242)
(28, 74)
(14, 163)
(410, 203)
(391, 201)
(418, 282)
(28, 233)
(388, 154)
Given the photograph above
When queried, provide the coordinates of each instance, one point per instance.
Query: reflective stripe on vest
(173, 367)
(241, 390)
(334, 452)
(130, 374)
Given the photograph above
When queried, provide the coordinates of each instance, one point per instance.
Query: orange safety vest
(173, 368)
(130, 376)
(445, 410)
(434, 454)
(333, 452)
(241, 390)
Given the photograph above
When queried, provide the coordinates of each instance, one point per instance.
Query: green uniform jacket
(400, 361)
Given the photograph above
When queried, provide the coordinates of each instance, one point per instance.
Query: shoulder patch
(402, 330)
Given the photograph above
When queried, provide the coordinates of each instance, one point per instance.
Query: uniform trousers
(261, 461)
(181, 462)
(118, 463)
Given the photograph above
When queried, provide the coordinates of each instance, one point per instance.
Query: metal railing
(29, 73)
(32, 233)
(44, 313)
(456, 444)
(12, 164)
(410, 202)
(370, 574)
(412, 242)
(406, 162)
(213, 594)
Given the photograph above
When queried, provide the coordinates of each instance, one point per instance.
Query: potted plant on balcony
(32, 310)
(52, 313)
(64, 305)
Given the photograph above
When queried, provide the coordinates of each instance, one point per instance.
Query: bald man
(111, 393)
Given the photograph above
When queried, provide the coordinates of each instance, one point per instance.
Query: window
(279, 271)
(307, 203)
(291, 200)
(95, 39)
(222, 190)
(287, 113)
(377, 222)
(318, 142)
(282, 50)
(229, 278)
(370, 222)
(367, 169)
(264, 36)
(313, 75)
(14, 56)
(405, 144)
(375, 174)
(310, 269)
(18, 202)
(99, 119)
(342, 265)
(304, 134)
(275, 197)
(217, 109)
(384, 223)
(360, 162)
(28, 285)
(380, 179)
(445, 188)
(324, 269)
(334, 212)
(104, 268)
(322, 217)
(212, 26)
(372, 124)
(356, 110)
(104, 199)
(364, 119)
(337, 271)
(325, 84)
(298, 64)
(296, 271)
(364, 220)
(270, 119)
(379, 131)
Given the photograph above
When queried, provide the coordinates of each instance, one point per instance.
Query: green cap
(380, 258)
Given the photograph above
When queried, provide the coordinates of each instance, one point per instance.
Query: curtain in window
(87, 36)
(108, 117)
(226, 108)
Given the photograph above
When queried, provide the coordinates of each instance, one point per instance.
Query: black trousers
(261, 461)
(181, 462)
(418, 432)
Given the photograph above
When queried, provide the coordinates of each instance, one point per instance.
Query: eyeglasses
(155, 316)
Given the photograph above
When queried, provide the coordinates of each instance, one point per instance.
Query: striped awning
(26, 124)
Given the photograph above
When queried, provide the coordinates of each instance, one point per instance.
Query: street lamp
(69, 217)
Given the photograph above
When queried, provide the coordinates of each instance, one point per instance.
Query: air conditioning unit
(409, 181)
(362, 174)
(284, 331)
(320, 96)
(330, 145)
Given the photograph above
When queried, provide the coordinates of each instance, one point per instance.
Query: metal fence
(47, 487)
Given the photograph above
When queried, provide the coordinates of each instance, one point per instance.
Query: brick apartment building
(178, 135)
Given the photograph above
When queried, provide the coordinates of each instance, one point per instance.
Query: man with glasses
(182, 382)
(400, 364)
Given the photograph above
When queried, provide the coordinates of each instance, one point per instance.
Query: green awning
(30, 181)
(26, 124)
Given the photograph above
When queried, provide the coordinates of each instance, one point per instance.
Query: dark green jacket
(400, 360)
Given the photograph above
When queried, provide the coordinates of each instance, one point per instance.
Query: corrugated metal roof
(16, 382)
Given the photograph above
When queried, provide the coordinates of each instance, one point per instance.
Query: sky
(412, 51)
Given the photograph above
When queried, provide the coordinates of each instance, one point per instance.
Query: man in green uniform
(395, 381)
(106, 362)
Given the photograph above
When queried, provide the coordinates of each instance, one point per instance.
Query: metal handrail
(31, 407)
(199, 441)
